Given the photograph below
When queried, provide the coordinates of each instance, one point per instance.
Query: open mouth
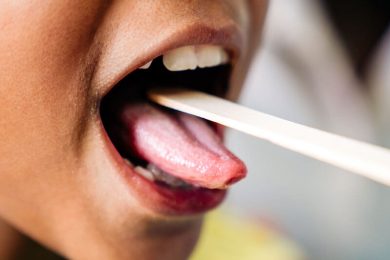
(177, 162)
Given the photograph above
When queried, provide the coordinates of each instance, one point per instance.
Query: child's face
(61, 181)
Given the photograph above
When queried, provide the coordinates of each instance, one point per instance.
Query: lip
(228, 36)
(161, 200)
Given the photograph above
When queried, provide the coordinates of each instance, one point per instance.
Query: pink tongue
(181, 145)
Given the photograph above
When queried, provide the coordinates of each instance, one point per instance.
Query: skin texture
(58, 184)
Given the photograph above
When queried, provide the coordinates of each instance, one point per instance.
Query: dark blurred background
(360, 25)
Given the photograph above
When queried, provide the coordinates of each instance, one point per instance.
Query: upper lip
(228, 37)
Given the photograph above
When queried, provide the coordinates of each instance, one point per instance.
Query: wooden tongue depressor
(358, 157)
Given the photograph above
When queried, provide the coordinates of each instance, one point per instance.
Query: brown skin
(56, 182)
(10, 240)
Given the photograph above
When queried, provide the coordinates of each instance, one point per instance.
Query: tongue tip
(237, 174)
(233, 172)
(231, 181)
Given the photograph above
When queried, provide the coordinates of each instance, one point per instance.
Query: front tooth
(191, 57)
(180, 59)
(146, 66)
(224, 56)
(142, 171)
(128, 162)
(211, 56)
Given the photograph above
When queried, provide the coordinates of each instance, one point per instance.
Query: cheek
(258, 9)
(44, 57)
(45, 63)
(256, 13)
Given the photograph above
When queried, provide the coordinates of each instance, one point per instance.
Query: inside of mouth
(133, 89)
(135, 85)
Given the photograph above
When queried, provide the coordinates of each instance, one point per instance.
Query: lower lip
(162, 199)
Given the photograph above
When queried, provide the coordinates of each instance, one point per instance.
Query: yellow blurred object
(228, 238)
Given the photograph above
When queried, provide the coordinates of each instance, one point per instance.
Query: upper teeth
(192, 57)
(210, 56)
(146, 66)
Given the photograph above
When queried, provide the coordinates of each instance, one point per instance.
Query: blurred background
(324, 64)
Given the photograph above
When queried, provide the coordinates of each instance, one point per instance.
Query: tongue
(181, 145)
